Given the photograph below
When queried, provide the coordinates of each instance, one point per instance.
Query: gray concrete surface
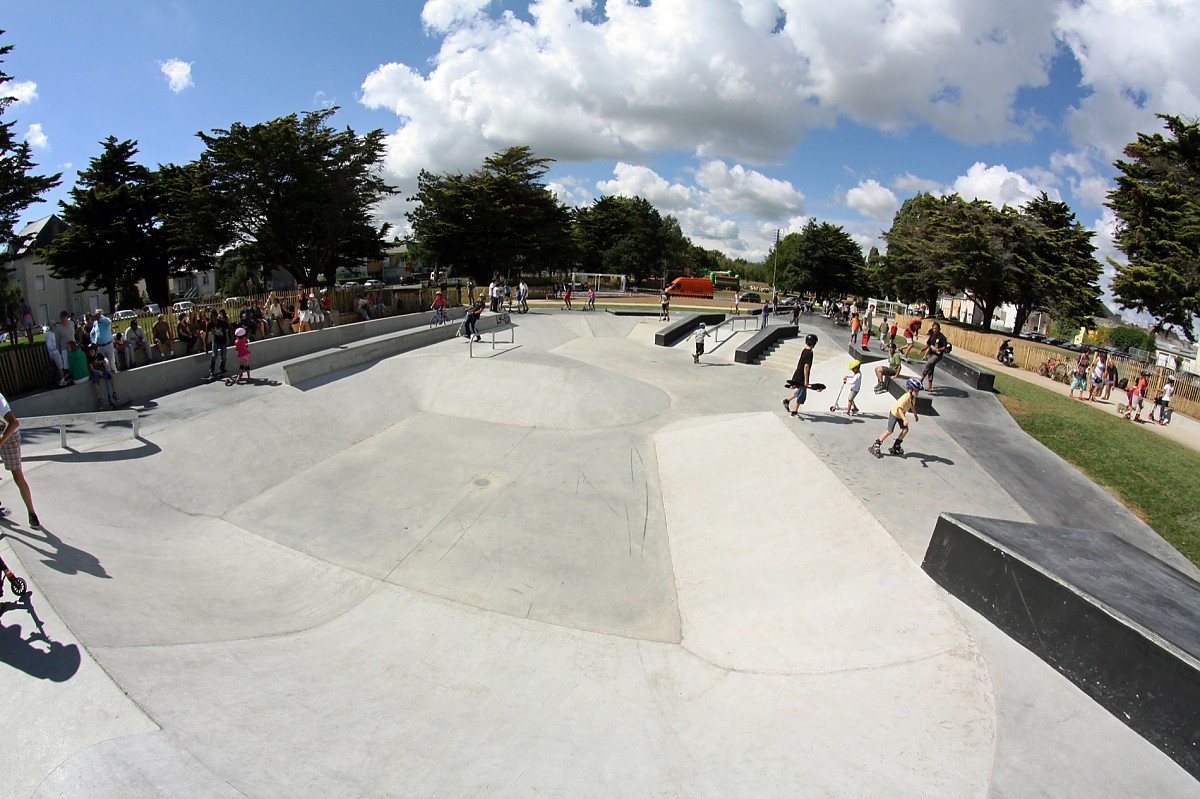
(580, 565)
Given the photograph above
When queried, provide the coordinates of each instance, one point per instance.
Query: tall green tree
(915, 266)
(500, 219)
(301, 194)
(626, 236)
(1157, 204)
(111, 241)
(19, 187)
(1061, 274)
(821, 258)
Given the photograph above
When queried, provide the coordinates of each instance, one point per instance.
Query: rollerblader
(898, 418)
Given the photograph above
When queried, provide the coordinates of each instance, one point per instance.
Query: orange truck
(691, 287)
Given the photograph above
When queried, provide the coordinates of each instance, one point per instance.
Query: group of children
(801, 383)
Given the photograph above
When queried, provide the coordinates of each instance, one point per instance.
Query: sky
(738, 117)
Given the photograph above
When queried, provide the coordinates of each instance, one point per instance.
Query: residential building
(46, 294)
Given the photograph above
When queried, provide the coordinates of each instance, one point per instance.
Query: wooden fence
(1030, 355)
(26, 368)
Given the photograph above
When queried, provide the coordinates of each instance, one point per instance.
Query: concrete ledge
(676, 332)
(876, 353)
(967, 372)
(65, 420)
(621, 312)
(924, 404)
(374, 349)
(752, 349)
(1116, 621)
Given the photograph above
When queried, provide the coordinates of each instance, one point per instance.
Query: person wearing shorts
(935, 348)
(801, 378)
(910, 336)
(10, 452)
(898, 418)
(884, 373)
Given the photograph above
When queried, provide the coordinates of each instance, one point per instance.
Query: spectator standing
(25, 312)
(56, 358)
(1162, 403)
(1110, 376)
(765, 311)
(664, 307)
(102, 336)
(218, 332)
(1096, 380)
(1079, 379)
(522, 297)
(64, 334)
(10, 451)
(591, 299)
(855, 327)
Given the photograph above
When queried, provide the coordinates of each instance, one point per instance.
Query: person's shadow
(37, 655)
(927, 459)
(58, 554)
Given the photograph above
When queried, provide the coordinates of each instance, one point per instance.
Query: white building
(46, 294)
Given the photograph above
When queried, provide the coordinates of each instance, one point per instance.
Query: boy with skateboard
(800, 378)
(898, 418)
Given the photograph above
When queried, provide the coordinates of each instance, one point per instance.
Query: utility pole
(775, 271)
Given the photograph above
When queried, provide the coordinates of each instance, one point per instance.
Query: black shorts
(893, 421)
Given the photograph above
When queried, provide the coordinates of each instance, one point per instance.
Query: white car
(121, 316)
(182, 306)
(373, 283)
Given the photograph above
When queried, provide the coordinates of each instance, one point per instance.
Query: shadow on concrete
(948, 391)
(72, 455)
(926, 458)
(37, 655)
(56, 553)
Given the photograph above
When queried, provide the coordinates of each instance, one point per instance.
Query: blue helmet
(913, 384)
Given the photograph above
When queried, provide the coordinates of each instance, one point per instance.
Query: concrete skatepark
(575, 565)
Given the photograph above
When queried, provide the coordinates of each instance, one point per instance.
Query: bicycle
(1055, 369)
(440, 317)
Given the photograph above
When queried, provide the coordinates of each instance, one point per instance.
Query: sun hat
(241, 331)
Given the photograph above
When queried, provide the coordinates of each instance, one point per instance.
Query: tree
(19, 187)
(300, 193)
(1061, 274)
(110, 242)
(626, 236)
(821, 258)
(915, 264)
(984, 252)
(498, 219)
(1157, 204)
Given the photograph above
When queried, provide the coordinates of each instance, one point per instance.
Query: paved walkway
(579, 565)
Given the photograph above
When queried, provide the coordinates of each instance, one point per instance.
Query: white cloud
(23, 91)
(873, 200)
(998, 185)
(178, 74)
(742, 83)
(640, 181)
(36, 137)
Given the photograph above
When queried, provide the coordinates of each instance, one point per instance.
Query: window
(44, 314)
(39, 282)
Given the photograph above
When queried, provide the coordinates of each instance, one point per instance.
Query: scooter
(17, 584)
(1005, 355)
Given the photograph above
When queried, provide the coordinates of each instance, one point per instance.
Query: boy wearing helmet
(853, 381)
(898, 418)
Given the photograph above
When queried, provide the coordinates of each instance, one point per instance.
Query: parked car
(349, 284)
(236, 302)
(750, 296)
(183, 306)
(124, 316)
(373, 283)
(151, 308)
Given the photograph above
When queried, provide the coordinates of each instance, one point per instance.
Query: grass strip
(1155, 477)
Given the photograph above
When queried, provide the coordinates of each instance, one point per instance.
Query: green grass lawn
(1155, 477)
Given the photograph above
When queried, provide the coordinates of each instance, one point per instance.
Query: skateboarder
(801, 378)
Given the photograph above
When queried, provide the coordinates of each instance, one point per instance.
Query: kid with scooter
(898, 418)
(853, 381)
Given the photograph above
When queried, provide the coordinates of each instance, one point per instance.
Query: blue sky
(737, 116)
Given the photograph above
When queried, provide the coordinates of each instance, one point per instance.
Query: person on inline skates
(898, 418)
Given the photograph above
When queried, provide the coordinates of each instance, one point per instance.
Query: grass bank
(1158, 479)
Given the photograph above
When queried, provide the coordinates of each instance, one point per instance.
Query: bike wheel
(1043, 370)
(1060, 373)
(18, 586)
